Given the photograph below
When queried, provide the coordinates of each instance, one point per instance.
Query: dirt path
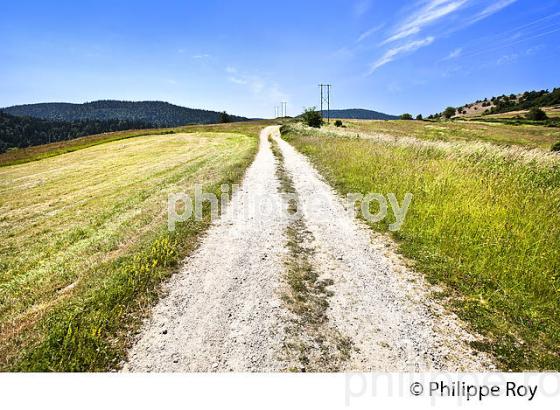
(223, 311)
(227, 309)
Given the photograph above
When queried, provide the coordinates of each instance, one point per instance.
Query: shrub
(338, 123)
(312, 118)
(449, 112)
(419, 117)
(224, 117)
(536, 114)
(406, 116)
(556, 147)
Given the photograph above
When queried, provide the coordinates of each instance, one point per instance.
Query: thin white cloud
(368, 33)
(508, 58)
(454, 54)
(361, 7)
(238, 80)
(429, 13)
(491, 9)
(259, 87)
(201, 56)
(393, 53)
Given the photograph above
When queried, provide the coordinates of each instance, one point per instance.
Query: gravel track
(224, 310)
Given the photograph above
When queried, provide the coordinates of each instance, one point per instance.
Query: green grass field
(84, 243)
(532, 136)
(484, 225)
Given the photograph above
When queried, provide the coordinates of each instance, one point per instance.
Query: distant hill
(361, 114)
(155, 113)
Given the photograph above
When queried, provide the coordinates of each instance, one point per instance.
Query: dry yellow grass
(531, 136)
(66, 220)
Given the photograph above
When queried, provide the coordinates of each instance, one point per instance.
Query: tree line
(158, 113)
(21, 132)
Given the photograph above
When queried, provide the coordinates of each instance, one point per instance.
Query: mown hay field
(484, 224)
(84, 243)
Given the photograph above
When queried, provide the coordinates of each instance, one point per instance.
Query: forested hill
(21, 132)
(361, 114)
(156, 113)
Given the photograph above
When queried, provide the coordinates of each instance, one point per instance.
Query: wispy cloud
(361, 7)
(238, 80)
(369, 32)
(454, 54)
(508, 58)
(429, 13)
(392, 53)
(201, 56)
(261, 88)
(491, 9)
(435, 15)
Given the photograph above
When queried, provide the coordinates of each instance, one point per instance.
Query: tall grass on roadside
(532, 136)
(484, 224)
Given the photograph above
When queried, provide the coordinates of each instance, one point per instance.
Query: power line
(326, 99)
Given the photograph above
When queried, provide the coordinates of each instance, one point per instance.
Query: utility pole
(284, 108)
(275, 111)
(326, 99)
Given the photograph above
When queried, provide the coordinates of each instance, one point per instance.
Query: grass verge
(85, 244)
(483, 225)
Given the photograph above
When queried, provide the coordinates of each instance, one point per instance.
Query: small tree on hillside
(536, 114)
(312, 118)
(449, 112)
(224, 117)
(419, 117)
(406, 116)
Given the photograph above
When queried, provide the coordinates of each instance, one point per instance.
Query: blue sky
(247, 56)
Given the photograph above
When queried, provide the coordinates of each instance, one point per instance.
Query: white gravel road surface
(224, 310)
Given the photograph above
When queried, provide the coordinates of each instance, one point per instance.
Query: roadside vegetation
(312, 118)
(483, 224)
(531, 136)
(84, 243)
